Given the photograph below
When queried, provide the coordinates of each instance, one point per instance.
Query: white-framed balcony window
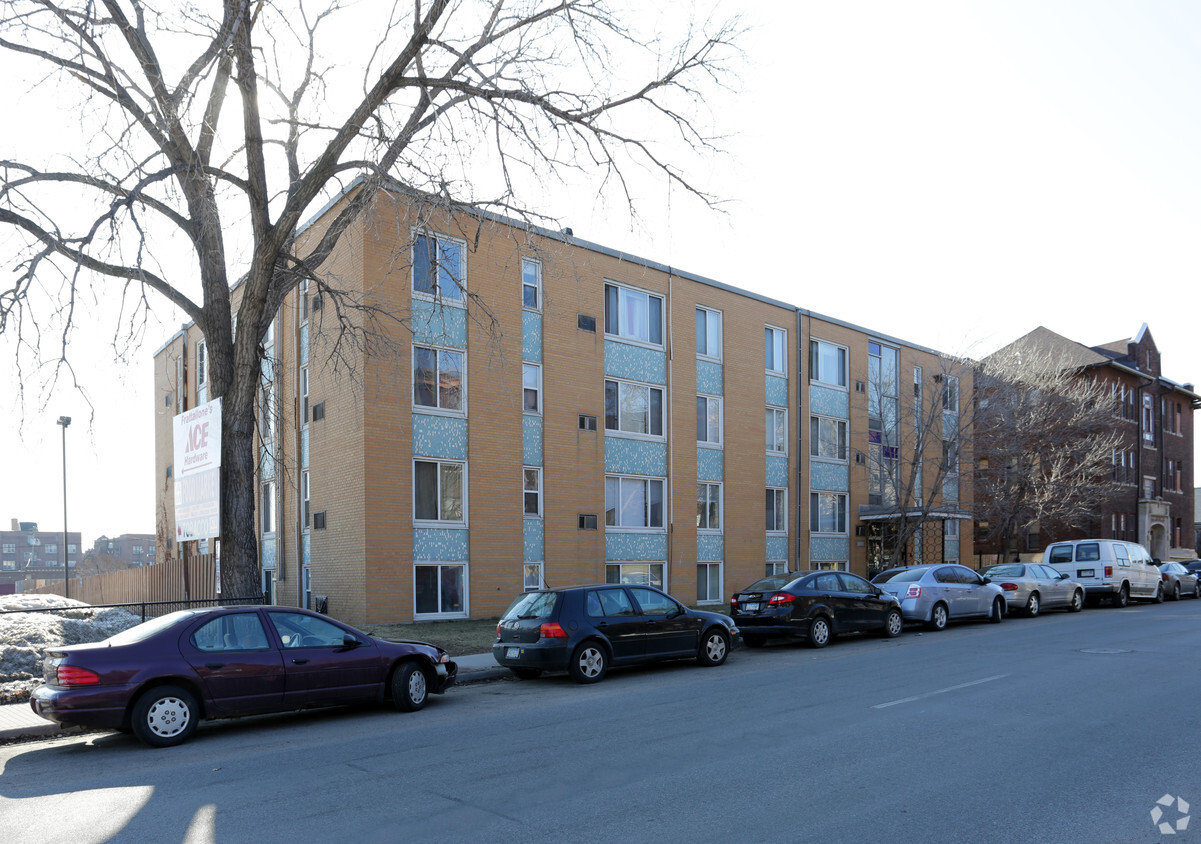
(633, 315)
(708, 583)
(438, 377)
(776, 349)
(532, 577)
(951, 541)
(531, 284)
(708, 333)
(635, 409)
(267, 507)
(532, 490)
(777, 430)
(635, 574)
(531, 388)
(439, 589)
(828, 438)
(708, 507)
(827, 363)
(827, 512)
(439, 271)
(708, 420)
(304, 499)
(777, 510)
(439, 491)
(950, 394)
(304, 396)
(632, 502)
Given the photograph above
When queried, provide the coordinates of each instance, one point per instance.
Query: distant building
(129, 550)
(29, 553)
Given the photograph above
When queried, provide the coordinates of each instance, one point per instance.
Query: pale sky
(954, 174)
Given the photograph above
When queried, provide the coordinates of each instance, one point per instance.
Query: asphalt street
(1062, 728)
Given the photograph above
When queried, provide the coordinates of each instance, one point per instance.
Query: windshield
(146, 629)
(899, 576)
(1008, 570)
(533, 605)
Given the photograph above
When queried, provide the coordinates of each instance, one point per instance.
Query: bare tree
(228, 130)
(1045, 441)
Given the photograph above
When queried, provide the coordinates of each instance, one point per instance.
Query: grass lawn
(458, 638)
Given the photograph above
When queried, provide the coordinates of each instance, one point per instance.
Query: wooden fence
(193, 579)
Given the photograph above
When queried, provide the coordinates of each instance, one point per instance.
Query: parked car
(584, 629)
(1032, 587)
(814, 605)
(936, 593)
(1178, 580)
(1108, 568)
(162, 677)
(1192, 565)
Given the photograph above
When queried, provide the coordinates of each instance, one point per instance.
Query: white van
(1108, 568)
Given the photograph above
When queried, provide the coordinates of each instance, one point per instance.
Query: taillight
(552, 630)
(733, 600)
(1164, 577)
(498, 631)
(1109, 571)
(914, 591)
(780, 598)
(1009, 587)
(70, 675)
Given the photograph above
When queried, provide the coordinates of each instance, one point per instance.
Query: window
(633, 315)
(1148, 419)
(633, 408)
(10, 548)
(708, 583)
(438, 491)
(587, 422)
(708, 420)
(951, 544)
(777, 510)
(10, 565)
(708, 507)
(642, 574)
(237, 632)
(268, 508)
(304, 498)
(71, 548)
(438, 268)
(827, 363)
(438, 378)
(777, 430)
(136, 549)
(775, 567)
(304, 395)
(532, 484)
(49, 549)
(708, 333)
(775, 349)
(654, 603)
(586, 323)
(950, 394)
(440, 589)
(633, 502)
(531, 284)
(202, 372)
(531, 577)
(531, 388)
(827, 438)
(827, 512)
(586, 521)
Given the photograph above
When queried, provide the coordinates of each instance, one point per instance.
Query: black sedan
(814, 605)
(584, 629)
(161, 678)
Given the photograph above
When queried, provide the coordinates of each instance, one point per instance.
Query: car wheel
(526, 673)
(894, 623)
(1123, 597)
(753, 641)
(1197, 589)
(938, 617)
(1032, 605)
(1175, 596)
(1077, 603)
(410, 687)
(819, 632)
(165, 716)
(1159, 596)
(715, 647)
(588, 663)
(998, 611)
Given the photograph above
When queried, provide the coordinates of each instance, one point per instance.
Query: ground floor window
(708, 583)
(775, 567)
(637, 574)
(440, 589)
(951, 534)
(306, 578)
(829, 565)
(269, 586)
(532, 577)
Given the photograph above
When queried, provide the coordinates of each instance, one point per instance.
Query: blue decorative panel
(269, 547)
(439, 436)
(635, 362)
(833, 476)
(635, 547)
(776, 389)
(306, 550)
(830, 548)
(304, 344)
(708, 377)
(439, 325)
(777, 548)
(635, 457)
(531, 336)
(709, 464)
(446, 545)
(532, 534)
(777, 471)
(304, 447)
(709, 548)
(531, 440)
(829, 402)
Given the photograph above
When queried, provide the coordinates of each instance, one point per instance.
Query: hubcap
(590, 662)
(820, 632)
(940, 616)
(417, 686)
(894, 623)
(168, 717)
(716, 647)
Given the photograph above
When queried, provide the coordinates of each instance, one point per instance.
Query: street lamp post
(65, 421)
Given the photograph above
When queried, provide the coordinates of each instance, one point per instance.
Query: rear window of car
(899, 576)
(1060, 554)
(1088, 552)
(533, 605)
(146, 629)
(1008, 570)
(769, 583)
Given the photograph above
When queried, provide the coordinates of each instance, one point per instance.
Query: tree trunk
(240, 576)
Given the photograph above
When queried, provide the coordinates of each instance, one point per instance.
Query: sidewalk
(17, 720)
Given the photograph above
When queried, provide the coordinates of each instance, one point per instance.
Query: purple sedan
(161, 678)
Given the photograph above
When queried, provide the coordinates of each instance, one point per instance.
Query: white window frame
(304, 396)
(781, 510)
(47, 549)
(626, 334)
(714, 494)
(437, 408)
(466, 590)
(537, 569)
(816, 501)
(782, 368)
(618, 431)
(440, 521)
(646, 527)
(536, 284)
(526, 490)
(712, 336)
(710, 402)
(774, 567)
(305, 497)
(816, 373)
(708, 597)
(771, 412)
(531, 371)
(439, 295)
(269, 518)
(623, 565)
(840, 429)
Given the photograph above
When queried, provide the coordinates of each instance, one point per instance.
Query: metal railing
(147, 608)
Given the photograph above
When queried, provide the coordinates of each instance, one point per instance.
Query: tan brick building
(535, 409)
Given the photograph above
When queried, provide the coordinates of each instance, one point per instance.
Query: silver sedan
(1178, 580)
(935, 593)
(1032, 587)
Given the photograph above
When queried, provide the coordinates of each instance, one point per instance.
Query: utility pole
(65, 421)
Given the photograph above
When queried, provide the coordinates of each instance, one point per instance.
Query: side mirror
(1063, 577)
(350, 642)
(987, 579)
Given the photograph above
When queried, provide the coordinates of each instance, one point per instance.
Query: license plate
(1086, 573)
(751, 607)
(512, 653)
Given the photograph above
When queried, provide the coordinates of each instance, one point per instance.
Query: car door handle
(214, 665)
(299, 661)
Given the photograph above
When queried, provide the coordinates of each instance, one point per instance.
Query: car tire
(165, 716)
(1077, 602)
(1175, 596)
(753, 641)
(894, 623)
(1032, 605)
(819, 631)
(410, 687)
(939, 616)
(998, 610)
(1122, 598)
(1159, 595)
(589, 662)
(1197, 590)
(526, 673)
(715, 647)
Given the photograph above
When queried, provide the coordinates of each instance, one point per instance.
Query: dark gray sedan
(1032, 587)
(1178, 580)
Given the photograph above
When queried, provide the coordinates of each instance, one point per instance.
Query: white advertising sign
(198, 472)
